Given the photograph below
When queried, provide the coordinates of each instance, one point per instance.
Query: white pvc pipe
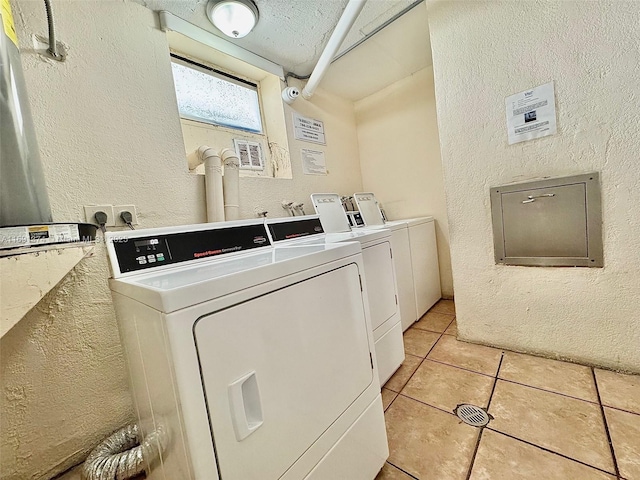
(231, 182)
(348, 18)
(213, 183)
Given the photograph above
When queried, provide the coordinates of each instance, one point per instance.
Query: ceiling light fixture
(234, 18)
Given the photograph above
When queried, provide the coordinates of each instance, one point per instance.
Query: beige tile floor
(551, 419)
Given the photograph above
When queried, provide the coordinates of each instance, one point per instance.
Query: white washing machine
(252, 362)
(416, 257)
(380, 279)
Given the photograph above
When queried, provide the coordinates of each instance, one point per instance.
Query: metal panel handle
(532, 198)
(246, 407)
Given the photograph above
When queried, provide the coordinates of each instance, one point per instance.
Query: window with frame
(225, 102)
(214, 97)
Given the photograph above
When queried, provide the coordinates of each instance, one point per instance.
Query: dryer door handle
(245, 404)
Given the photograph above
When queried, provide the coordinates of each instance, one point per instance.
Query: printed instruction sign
(531, 114)
(308, 129)
(313, 162)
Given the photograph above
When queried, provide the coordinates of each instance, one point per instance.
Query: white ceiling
(399, 50)
(293, 33)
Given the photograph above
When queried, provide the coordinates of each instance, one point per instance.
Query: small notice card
(313, 162)
(531, 114)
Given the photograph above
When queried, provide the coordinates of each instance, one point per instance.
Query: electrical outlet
(90, 211)
(118, 209)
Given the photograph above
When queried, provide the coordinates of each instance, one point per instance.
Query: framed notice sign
(308, 129)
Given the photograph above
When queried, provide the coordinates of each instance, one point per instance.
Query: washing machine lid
(332, 215)
(182, 286)
(369, 209)
(407, 222)
(307, 230)
(417, 220)
(392, 225)
(363, 237)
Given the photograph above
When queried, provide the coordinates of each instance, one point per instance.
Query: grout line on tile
(429, 405)
(421, 362)
(439, 313)
(391, 402)
(405, 383)
(496, 376)
(427, 330)
(453, 317)
(548, 391)
(493, 389)
(434, 310)
(550, 451)
(458, 367)
(412, 355)
(621, 410)
(402, 470)
(419, 365)
(473, 455)
(606, 426)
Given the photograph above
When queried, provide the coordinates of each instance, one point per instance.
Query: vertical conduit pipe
(213, 183)
(53, 46)
(231, 181)
(348, 18)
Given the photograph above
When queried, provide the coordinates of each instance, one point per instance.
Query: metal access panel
(549, 223)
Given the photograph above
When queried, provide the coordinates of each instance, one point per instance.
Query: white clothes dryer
(380, 280)
(254, 362)
(417, 257)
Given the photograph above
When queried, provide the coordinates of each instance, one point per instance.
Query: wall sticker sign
(313, 162)
(308, 129)
(531, 114)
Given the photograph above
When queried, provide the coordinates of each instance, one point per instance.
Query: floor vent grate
(472, 415)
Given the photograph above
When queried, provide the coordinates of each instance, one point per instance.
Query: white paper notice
(308, 129)
(313, 162)
(531, 114)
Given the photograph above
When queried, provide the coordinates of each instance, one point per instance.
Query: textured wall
(400, 156)
(484, 51)
(109, 132)
(104, 137)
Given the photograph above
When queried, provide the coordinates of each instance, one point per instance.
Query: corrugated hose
(121, 456)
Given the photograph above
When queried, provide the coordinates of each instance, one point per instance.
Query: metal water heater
(23, 193)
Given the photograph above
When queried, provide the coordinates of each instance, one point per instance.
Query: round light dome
(234, 18)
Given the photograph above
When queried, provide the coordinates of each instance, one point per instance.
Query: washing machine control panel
(141, 253)
(355, 219)
(295, 229)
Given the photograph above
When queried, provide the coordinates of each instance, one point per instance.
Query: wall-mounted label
(313, 162)
(11, 237)
(7, 21)
(531, 114)
(308, 129)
